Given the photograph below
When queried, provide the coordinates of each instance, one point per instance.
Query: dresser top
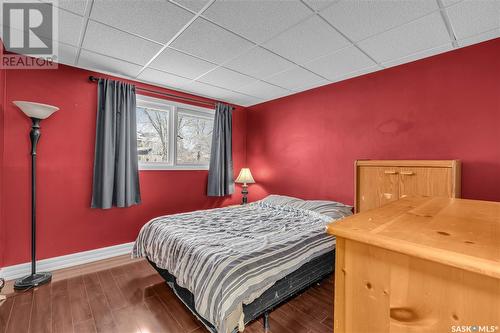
(409, 163)
(457, 232)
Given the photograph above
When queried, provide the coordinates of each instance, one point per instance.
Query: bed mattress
(228, 257)
(289, 286)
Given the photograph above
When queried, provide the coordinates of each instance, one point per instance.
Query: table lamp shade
(245, 177)
(36, 110)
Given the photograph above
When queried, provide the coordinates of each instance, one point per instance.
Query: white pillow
(326, 207)
(280, 200)
(330, 208)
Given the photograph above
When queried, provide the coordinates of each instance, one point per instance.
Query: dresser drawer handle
(390, 172)
(407, 173)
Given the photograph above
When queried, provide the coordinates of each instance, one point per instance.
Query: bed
(231, 265)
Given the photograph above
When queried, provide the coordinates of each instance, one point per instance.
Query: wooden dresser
(379, 182)
(422, 265)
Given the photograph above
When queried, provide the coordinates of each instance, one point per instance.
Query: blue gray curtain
(220, 174)
(116, 172)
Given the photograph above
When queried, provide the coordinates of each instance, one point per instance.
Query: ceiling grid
(248, 52)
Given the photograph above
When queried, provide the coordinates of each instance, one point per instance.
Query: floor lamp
(37, 112)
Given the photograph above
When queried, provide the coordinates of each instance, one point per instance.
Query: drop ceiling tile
(359, 19)
(448, 3)
(206, 90)
(259, 63)
(280, 95)
(491, 34)
(226, 78)
(358, 73)
(194, 5)
(178, 63)
(423, 34)
(93, 61)
(69, 27)
(115, 43)
(264, 90)
(210, 42)
(75, 6)
(66, 54)
(420, 55)
(318, 5)
(238, 98)
(243, 100)
(307, 41)
(297, 79)
(471, 17)
(163, 79)
(340, 63)
(257, 20)
(156, 20)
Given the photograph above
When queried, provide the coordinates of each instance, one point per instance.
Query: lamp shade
(36, 110)
(245, 177)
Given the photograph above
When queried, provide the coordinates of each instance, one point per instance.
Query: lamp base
(244, 192)
(32, 281)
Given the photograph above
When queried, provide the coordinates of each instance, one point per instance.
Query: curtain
(220, 173)
(116, 172)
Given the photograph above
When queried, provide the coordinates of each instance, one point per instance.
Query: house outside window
(173, 135)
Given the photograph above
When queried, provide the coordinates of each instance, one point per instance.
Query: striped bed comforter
(227, 257)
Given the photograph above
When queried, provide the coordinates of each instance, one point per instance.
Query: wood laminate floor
(132, 298)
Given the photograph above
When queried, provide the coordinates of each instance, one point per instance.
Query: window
(194, 138)
(153, 135)
(173, 135)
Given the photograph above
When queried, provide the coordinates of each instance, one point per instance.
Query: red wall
(444, 107)
(66, 224)
(2, 102)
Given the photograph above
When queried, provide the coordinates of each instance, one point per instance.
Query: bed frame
(288, 287)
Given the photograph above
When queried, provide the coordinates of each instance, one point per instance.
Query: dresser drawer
(378, 290)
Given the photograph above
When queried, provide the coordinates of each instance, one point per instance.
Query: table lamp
(245, 178)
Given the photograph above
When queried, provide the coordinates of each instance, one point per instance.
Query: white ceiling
(250, 51)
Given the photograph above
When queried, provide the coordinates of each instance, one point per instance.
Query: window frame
(173, 108)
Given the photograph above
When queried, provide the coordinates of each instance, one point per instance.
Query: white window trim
(173, 108)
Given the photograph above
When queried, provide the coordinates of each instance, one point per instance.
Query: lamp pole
(34, 137)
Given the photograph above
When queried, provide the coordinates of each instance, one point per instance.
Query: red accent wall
(2, 107)
(66, 223)
(443, 107)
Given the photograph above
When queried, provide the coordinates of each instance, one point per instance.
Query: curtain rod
(188, 99)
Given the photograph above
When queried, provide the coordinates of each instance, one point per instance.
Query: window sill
(172, 167)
